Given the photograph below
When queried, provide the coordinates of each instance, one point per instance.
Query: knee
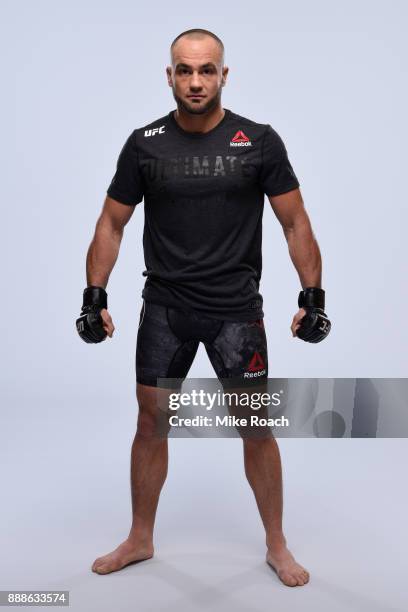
(151, 422)
(153, 417)
(146, 424)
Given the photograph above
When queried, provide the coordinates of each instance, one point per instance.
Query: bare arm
(104, 248)
(303, 248)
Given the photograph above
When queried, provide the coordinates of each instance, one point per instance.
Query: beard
(194, 109)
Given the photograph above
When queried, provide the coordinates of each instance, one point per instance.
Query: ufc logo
(152, 132)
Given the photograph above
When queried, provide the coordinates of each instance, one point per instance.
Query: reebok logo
(256, 363)
(240, 140)
(256, 366)
(152, 132)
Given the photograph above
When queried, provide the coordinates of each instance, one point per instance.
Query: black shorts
(168, 339)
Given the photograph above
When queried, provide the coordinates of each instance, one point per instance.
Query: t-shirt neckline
(227, 114)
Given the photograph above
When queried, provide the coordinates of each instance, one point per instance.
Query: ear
(169, 77)
(225, 71)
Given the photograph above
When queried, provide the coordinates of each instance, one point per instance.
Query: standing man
(203, 172)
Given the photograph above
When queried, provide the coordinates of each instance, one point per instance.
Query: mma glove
(315, 325)
(90, 324)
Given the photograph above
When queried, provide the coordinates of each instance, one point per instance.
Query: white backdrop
(330, 78)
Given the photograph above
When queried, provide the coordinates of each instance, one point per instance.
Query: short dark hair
(199, 33)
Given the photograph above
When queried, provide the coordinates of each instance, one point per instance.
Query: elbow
(289, 231)
(109, 227)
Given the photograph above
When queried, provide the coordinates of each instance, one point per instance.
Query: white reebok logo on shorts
(152, 132)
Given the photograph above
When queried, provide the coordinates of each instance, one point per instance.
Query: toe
(305, 576)
(288, 579)
(99, 561)
(302, 577)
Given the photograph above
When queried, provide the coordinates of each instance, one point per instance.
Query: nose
(195, 83)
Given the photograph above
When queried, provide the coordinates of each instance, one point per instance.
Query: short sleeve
(277, 175)
(127, 185)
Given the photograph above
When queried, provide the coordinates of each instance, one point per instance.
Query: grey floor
(65, 484)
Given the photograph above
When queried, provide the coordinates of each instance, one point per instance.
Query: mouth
(196, 97)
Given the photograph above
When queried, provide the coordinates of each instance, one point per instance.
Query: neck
(199, 123)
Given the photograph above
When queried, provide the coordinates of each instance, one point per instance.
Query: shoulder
(250, 123)
(264, 131)
(136, 137)
(154, 127)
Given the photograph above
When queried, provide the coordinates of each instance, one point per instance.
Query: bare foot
(127, 552)
(288, 570)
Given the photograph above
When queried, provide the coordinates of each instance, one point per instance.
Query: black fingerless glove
(315, 326)
(90, 325)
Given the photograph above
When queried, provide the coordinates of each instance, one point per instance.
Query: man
(203, 172)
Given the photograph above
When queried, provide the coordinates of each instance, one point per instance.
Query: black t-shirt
(204, 198)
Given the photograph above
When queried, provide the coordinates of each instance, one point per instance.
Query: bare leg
(264, 472)
(149, 462)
